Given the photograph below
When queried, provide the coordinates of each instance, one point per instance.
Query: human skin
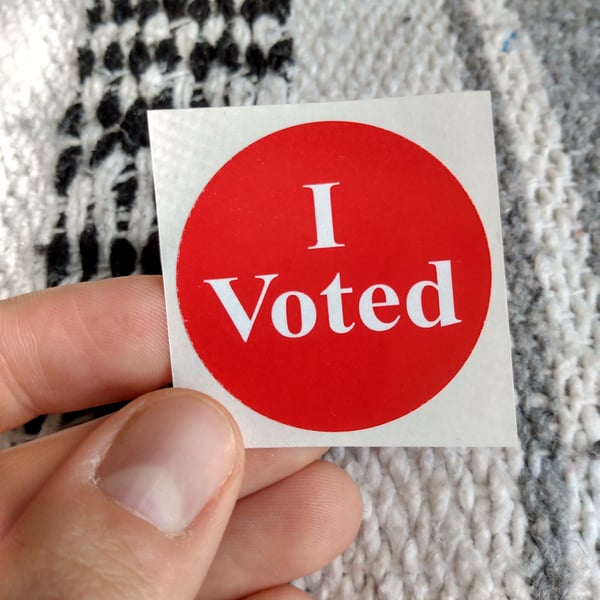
(240, 523)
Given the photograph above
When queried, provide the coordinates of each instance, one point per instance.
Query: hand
(153, 501)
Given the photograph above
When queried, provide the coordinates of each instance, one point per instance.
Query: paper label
(333, 272)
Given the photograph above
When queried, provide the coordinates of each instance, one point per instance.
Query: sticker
(330, 277)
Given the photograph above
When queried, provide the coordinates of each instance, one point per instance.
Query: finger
(137, 511)
(285, 531)
(25, 468)
(82, 345)
(281, 592)
(265, 466)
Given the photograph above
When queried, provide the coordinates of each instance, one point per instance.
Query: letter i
(323, 217)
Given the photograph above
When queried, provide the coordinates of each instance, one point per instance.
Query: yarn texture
(76, 203)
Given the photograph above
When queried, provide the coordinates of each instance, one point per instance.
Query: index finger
(81, 345)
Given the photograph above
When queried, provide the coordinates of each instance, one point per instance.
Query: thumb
(137, 511)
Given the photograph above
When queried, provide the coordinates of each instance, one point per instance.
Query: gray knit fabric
(76, 203)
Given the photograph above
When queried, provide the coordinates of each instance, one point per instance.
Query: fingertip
(338, 517)
(309, 518)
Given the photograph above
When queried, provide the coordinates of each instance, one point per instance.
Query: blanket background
(76, 203)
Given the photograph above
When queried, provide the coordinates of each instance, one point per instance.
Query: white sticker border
(189, 146)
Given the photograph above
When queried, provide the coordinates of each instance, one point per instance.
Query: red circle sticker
(333, 276)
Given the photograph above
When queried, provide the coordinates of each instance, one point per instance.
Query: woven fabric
(76, 203)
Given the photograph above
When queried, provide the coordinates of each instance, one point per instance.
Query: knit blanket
(76, 203)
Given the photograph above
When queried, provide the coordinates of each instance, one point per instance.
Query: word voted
(333, 292)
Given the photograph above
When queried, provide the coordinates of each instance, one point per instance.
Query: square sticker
(334, 272)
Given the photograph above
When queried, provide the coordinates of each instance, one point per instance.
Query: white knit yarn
(365, 49)
(38, 73)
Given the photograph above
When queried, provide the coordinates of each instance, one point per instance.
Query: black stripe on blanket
(134, 58)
